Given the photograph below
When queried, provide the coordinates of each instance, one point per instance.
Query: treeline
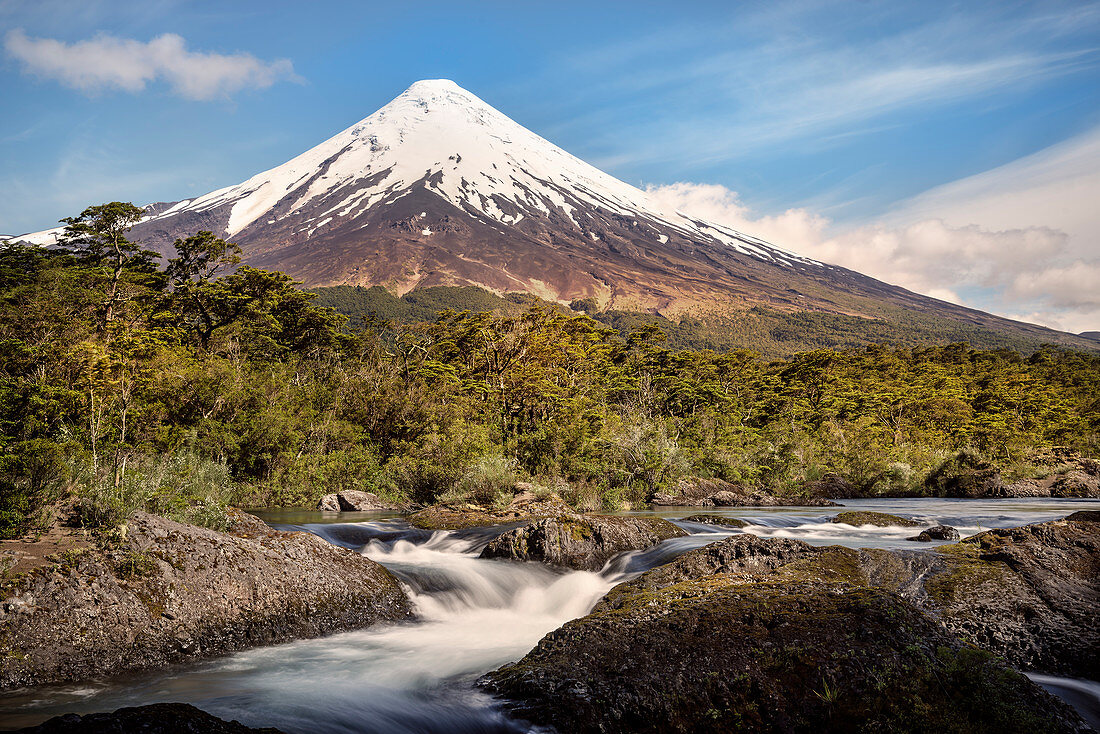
(200, 383)
(768, 331)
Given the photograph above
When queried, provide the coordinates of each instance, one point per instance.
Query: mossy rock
(716, 654)
(856, 518)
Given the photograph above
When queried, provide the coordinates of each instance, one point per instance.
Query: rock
(719, 493)
(718, 654)
(831, 486)
(1030, 594)
(158, 718)
(355, 501)
(732, 522)
(939, 532)
(878, 519)
(524, 507)
(169, 592)
(1023, 488)
(1076, 483)
(747, 557)
(965, 475)
(329, 503)
(582, 542)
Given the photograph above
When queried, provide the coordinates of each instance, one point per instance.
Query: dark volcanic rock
(721, 655)
(169, 592)
(879, 519)
(831, 486)
(719, 493)
(767, 634)
(583, 542)
(939, 532)
(158, 718)
(1030, 594)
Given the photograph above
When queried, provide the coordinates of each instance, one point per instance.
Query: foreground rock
(356, 501)
(1030, 594)
(170, 592)
(719, 493)
(582, 542)
(878, 519)
(524, 507)
(776, 635)
(158, 718)
(719, 654)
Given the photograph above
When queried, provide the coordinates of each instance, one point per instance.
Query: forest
(187, 386)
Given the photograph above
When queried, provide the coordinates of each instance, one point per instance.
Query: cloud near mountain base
(1028, 273)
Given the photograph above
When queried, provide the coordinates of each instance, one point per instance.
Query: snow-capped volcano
(438, 137)
(439, 188)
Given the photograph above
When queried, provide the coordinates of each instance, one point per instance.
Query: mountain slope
(438, 188)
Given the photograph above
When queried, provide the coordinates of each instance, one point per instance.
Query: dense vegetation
(183, 388)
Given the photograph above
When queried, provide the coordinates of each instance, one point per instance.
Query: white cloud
(1019, 240)
(108, 62)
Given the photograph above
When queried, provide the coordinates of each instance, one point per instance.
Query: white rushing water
(473, 615)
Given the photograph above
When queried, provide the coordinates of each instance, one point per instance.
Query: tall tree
(98, 235)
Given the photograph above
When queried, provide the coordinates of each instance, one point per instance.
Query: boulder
(878, 519)
(353, 500)
(166, 592)
(581, 542)
(158, 718)
(831, 486)
(938, 532)
(718, 654)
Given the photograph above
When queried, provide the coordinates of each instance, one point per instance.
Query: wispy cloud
(741, 86)
(111, 63)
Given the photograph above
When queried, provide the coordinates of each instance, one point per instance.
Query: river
(474, 615)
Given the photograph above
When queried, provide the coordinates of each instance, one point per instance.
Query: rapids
(472, 616)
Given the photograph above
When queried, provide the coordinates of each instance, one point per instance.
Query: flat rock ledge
(167, 592)
(157, 718)
(769, 634)
(581, 542)
(720, 493)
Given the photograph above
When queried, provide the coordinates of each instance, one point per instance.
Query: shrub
(184, 487)
(490, 481)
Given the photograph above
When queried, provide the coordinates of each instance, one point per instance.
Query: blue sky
(825, 126)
